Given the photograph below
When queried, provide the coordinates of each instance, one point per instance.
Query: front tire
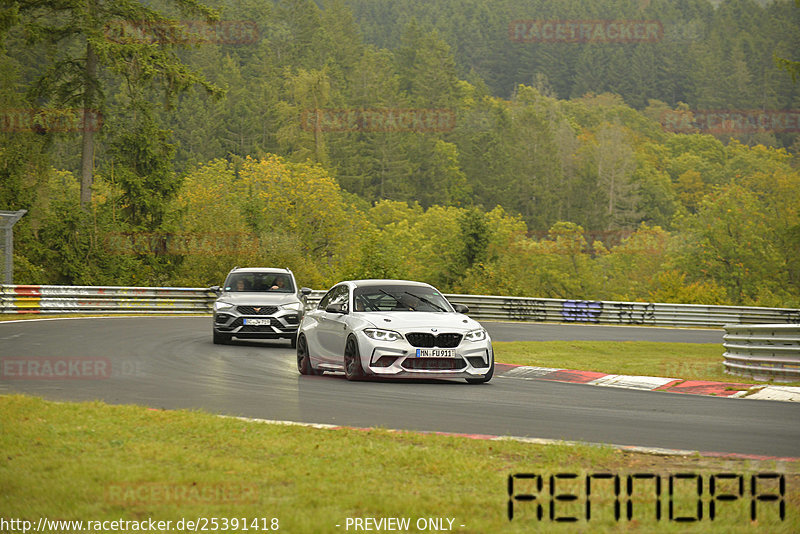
(352, 360)
(221, 339)
(303, 358)
(485, 378)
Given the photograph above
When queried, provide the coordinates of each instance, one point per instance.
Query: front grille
(426, 340)
(438, 364)
(249, 328)
(256, 310)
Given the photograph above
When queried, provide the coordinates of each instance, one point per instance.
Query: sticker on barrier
(633, 313)
(581, 311)
(525, 309)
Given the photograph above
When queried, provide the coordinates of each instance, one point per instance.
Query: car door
(332, 327)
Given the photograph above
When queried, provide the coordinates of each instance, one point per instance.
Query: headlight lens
(382, 335)
(476, 335)
(221, 306)
(295, 306)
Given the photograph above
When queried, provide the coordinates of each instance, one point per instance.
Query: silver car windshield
(399, 298)
(259, 283)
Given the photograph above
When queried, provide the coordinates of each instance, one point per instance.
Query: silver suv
(258, 303)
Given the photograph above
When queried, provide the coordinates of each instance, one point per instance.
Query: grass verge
(95, 462)
(689, 361)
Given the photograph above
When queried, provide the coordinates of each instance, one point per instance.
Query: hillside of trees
(554, 178)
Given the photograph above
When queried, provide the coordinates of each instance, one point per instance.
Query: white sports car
(393, 328)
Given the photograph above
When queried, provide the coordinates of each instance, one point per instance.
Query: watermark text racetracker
(722, 121)
(43, 121)
(68, 368)
(150, 493)
(174, 243)
(585, 31)
(185, 32)
(378, 120)
(194, 524)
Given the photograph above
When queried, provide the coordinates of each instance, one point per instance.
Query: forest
(163, 143)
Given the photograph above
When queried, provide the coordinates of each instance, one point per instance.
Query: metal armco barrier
(611, 312)
(763, 352)
(104, 300)
(89, 299)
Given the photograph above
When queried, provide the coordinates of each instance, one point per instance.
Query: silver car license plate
(257, 322)
(436, 353)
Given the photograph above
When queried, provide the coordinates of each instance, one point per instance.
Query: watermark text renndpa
(585, 31)
(679, 497)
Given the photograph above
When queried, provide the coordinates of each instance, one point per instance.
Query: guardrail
(619, 313)
(763, 352)
(147, 300)
(104, 300)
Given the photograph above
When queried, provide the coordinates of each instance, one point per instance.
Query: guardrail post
(7, 221)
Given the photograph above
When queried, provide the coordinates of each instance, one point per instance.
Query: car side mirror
(461, 308)
(215, 289)
(305, 291)
(338, 307)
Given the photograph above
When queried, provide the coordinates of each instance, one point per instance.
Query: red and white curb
(653, 383)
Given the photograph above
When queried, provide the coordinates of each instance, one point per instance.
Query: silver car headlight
(222, 306)
(476, 335)
(294, 306)
(382, 335)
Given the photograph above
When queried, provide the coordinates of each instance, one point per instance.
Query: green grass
(91, 461)
(689, 361)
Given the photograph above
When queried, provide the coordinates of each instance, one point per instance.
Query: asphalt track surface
(171, 363)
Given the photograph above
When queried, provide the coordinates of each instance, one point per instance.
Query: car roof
(259, 270)
(384, 282)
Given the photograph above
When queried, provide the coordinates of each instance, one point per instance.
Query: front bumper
(282, 324)
(399, 359)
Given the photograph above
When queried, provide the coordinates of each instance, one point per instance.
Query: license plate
(436, 353)
(257, 322)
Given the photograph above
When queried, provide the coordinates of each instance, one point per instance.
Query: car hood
(418, 320)
(256, 298)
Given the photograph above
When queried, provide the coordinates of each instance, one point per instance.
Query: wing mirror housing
(461, 308)
(336, 308)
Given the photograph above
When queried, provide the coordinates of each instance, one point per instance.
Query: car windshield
(399, 298)
(259, 283)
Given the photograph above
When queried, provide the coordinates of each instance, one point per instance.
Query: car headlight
(476, 335)
(222, 306)
(382, 335)
(294, 306)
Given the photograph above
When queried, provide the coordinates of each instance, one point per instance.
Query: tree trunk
(87, 149)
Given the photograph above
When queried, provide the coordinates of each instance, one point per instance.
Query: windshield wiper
(426, 301)
(397, 300)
